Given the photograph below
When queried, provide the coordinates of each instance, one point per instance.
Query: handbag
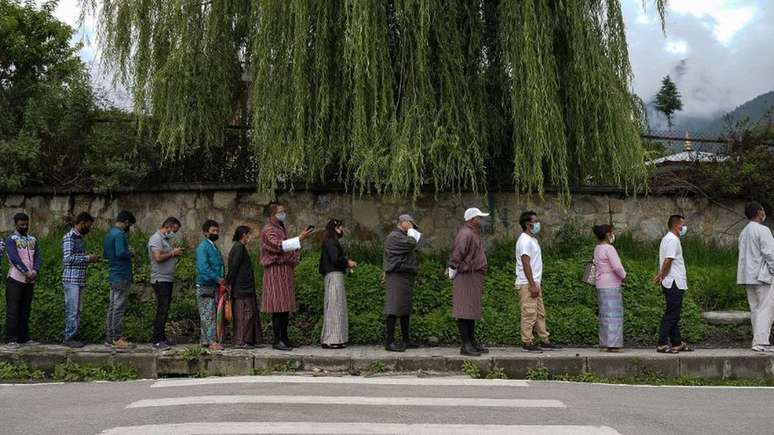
(590, 274)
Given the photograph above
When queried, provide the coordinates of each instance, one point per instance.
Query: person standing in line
(119, 257)
(674, 282)
(333, 267)
(74, 262)
(610, 274)
(209, 276)
(24, 258)
(755, 271)
(467, 269)
(529, 274)
(241, 279)
(163, 259)
(400, 271)
(279, 257)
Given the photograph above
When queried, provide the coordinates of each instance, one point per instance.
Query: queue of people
(280, 253)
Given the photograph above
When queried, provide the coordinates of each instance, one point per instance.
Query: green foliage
(19, 372)
(388, 95)
(471, 369)
(538, 373)
(668, 100)
(497, 373)
(378, 367)
(71, 372)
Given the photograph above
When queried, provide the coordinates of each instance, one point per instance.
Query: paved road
(379, 405)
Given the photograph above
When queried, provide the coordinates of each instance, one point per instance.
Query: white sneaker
(762, 348)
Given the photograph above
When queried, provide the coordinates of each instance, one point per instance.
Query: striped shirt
(74, 259)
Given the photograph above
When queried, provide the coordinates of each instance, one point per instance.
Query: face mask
(170, 235)
(281, 216)
(484, 222)
(612, 239)
(340, 233)
(22, 231)
(535, 228)
(84, 231)
(213, 237)
(683, 231)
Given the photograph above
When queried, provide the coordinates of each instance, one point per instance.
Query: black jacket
(332, 258)
(240, 271)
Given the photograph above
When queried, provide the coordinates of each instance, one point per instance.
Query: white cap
(474, 212)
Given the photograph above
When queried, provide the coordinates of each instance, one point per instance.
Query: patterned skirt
(335, 327)
(247, 324)
(466, 300)
(611, 316)
(279, 293)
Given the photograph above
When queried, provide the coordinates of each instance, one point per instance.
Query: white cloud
(677, 47)
(725, 17)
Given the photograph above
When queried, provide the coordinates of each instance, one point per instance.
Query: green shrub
(571, 306)
(71, 372)
(19, 372)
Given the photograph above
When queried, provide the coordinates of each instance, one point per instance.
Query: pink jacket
(610, 271)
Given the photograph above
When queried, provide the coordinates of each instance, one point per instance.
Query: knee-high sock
(276, 326)
(285, 325)
(389, 329)
(404, 328)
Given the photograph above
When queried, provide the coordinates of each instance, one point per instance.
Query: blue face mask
(683, 231)
(170, 235)
(535, 228)
(282, 216)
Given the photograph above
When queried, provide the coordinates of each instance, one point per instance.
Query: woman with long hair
(333, 267)
(241, 280)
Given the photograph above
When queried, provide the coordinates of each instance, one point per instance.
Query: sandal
(665, 349)
(614, 350)
(683, 347)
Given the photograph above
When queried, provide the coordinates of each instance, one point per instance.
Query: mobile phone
(310, 228)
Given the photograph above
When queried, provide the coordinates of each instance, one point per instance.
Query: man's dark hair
(209, 223)
(601, 231)
(751, 210)
(525, 218)
(83, 217)
(272, 208)
(240, 231)
(171, 221)
(675, 218)
(126, 217)
(20, 217)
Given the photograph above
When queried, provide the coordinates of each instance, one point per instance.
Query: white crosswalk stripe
(344, 380)
(349, 400)
(357, 428)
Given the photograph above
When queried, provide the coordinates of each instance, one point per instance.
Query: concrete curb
(150, 363)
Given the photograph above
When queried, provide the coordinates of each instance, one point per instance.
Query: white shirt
(756, 255)
(529, 246)
(672, 248)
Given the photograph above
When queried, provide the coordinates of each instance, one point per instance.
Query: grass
(67, 372)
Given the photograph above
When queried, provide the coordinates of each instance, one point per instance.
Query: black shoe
(531, 347)
(73, 343)
(161, 345)
(469, 350)
(480, 348)
(550, 346)
(170, 343)
(282, 346)
(394, 347)
(410, 344)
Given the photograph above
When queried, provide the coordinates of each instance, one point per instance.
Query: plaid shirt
(74, 259)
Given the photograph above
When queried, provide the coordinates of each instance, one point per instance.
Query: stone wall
(369, 218)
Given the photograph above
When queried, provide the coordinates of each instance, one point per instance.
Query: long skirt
(247, 329)
(399, 293)
(279, 292)
(611, 316)
(335, 327)
(466, 300)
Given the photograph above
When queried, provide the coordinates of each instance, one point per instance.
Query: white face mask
(611, 239)
(282, 216)
(683, 231)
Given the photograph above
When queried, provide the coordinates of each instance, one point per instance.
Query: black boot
(284, 331)
(276, 326)
(405, 333)
(389, 335)
(477, 346)
(467, 342)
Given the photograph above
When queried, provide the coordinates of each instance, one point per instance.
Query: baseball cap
(474, 212)
(407, 218)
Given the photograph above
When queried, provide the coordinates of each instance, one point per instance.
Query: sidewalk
(151, 363)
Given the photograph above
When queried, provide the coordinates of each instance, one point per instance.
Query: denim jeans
(73, 296)
(119, 292)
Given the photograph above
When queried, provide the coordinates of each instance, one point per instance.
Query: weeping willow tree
(388, 95)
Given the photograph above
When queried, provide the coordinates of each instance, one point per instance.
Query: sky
(719, 52)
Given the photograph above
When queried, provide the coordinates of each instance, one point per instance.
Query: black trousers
(18, 302)
(163, 292)
(669, 332)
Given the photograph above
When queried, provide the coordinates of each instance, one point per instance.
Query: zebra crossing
(230, 405)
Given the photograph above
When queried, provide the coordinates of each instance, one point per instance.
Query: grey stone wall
(370, 218)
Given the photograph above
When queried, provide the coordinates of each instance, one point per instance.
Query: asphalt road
(448, 406)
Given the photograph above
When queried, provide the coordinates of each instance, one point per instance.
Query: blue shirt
(209, 264)
(74, 259)
(116, 252)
